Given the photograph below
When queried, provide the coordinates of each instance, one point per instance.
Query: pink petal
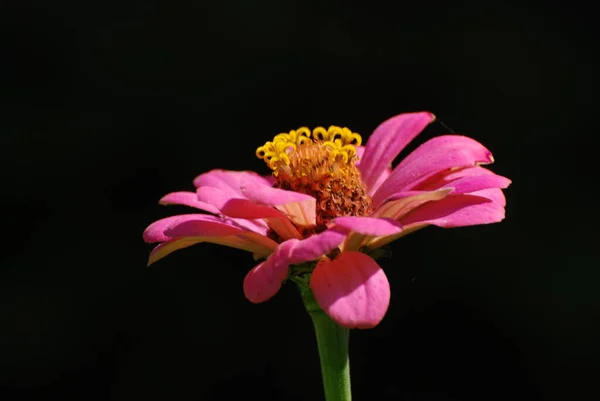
(190, 199)
(466, 180)
(369, 225)
(457, 186)
(352, 289)
(360, 150)
(448, 183)
(259, 248)
(156, 231)
(472, 184)
(382, 178)
(215, 196)
(246, 209)
(283, 227)
(195, 227)
(254, 225)
(170, 246)
(269, 179)
(262, 244)
(378, 242)
(432, 157)
(495, 196)
(180, 231)
(450, 175)
(200, 227)
(396, 208)
(481, 207)
(317, 245)
(393, 210)
(387, 141)
(361, 227)
(264, 281)
(300, 208)
(240, 208)
(229, 181)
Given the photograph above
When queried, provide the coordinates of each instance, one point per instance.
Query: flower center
(320, 163)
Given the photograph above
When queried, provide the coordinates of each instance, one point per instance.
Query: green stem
(332, 341)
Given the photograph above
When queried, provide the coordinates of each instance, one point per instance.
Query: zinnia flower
(330, 201)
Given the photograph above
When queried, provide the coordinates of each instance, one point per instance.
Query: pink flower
(329, 200)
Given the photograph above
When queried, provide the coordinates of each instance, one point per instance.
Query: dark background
(105, 108)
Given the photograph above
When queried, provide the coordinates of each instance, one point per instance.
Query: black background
(105, 108)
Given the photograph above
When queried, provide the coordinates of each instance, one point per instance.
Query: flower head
(328, 201)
